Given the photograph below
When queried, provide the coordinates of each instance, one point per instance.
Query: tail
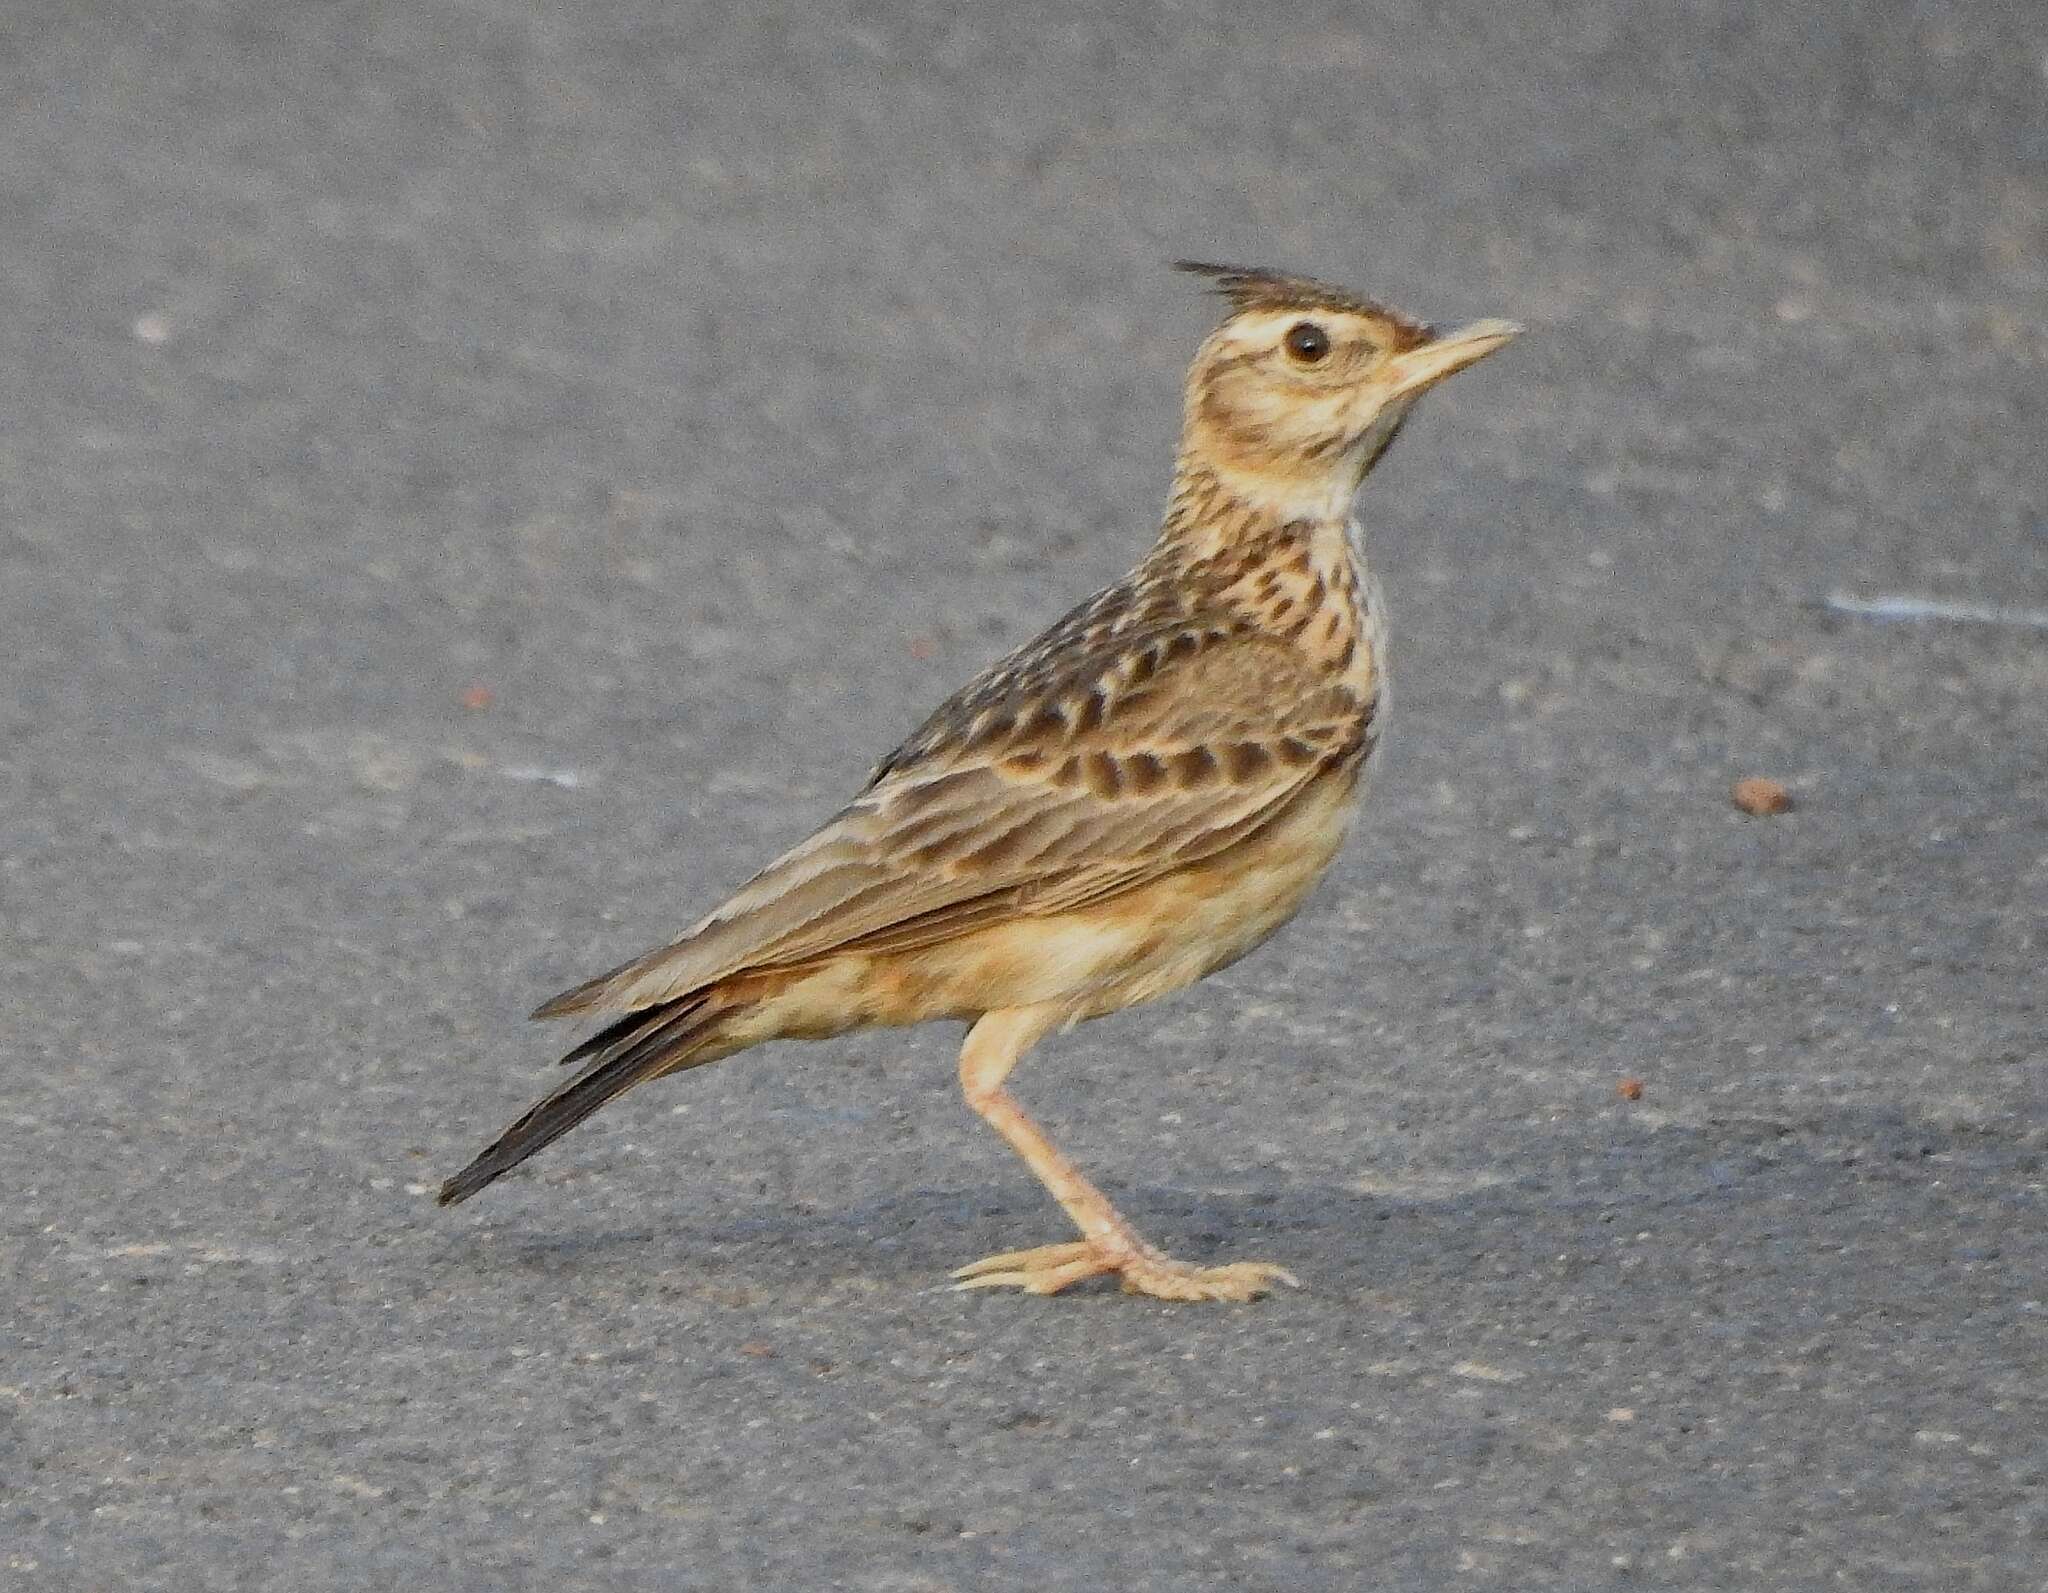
(656, 1040)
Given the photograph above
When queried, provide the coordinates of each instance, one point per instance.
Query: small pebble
(1761, 797)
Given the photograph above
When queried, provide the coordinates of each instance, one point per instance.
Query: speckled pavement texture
(478, 477)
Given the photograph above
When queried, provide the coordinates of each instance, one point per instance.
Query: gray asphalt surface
(717, 393)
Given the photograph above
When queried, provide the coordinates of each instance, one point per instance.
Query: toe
(1047, 1269)
(1026, 1260)
(1037, 1280)
(1240, 1280)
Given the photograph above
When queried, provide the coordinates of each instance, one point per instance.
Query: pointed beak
(1424, 367)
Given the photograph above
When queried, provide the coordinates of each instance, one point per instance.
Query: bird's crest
(1248, 288)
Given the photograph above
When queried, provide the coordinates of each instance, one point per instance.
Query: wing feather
(1039, 788)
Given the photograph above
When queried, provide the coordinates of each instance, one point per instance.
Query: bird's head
(1302, 388)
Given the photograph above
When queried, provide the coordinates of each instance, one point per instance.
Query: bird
(1136, 798)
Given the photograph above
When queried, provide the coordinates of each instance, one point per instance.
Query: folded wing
(1031, 791)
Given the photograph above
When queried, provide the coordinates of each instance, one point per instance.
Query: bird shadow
(1720, 1176)
(918, 1235)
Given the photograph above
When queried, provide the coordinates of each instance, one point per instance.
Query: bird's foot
(1142, 1269)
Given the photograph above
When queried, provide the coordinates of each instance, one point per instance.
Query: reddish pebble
(476, 698)
(1630, 1089)
(1761, 797)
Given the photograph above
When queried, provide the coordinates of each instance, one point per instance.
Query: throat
(1215, 520)
(1213, 503)
(1298, 577)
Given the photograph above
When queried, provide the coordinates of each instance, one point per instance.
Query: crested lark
(1135, 799)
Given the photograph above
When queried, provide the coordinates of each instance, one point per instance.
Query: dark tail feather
(633, 1026)
(642, 1045)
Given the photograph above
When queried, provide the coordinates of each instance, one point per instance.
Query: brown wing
(1079, 767)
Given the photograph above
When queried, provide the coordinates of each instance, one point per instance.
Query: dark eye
(1307, 342)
